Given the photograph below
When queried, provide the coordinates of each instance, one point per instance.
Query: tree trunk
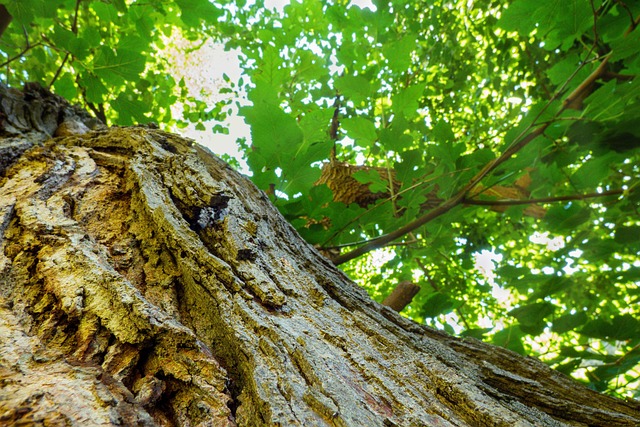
(144, 282)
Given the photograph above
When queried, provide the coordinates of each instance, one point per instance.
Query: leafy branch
(5, 20)
(387, 200)
(542, 199)
(21, 54)
(520, 142)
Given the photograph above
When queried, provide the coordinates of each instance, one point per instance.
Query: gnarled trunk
(142, 281)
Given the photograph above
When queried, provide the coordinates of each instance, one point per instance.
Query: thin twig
(542, 199)
(59, 70)
(362, 242)
(74, 25)
(21, 54)
(74, 30)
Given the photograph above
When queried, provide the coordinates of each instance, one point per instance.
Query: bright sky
(203, 70)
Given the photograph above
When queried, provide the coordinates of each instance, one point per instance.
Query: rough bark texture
(144, 282)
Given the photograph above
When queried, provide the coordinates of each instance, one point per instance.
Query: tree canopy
(430, 132)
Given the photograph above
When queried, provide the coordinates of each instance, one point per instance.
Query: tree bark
(144, 282)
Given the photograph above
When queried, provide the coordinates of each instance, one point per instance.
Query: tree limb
(445, 207)
(520, 142)
(5, 19)
(541, 200)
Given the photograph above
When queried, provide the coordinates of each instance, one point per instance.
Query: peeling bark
(144, 282)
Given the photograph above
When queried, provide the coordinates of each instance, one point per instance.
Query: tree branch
(5, 19)
(58, 71)
(28, 45)
(74, 24)
(574, 100)
(425, 181)
(445, 207)
(21, 54)
(520, 142)
(541, 200)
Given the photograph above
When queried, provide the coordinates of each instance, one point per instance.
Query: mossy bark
(144, 282)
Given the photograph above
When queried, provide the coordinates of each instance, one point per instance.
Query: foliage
(475, 128)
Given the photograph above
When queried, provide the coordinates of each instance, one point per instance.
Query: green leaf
(478, 158)
(600, 250)
(315, 125)
(561, 218)
(133, 45)
(519, 17)
(399, 53)
(625, 47)
(91, 36)
(564, 70)
(532, 314)
(311, 67)
(372, 177)
(24, 11)
(195, 11)
(65, 86)
(356, 88)
(447, 150)
(405, 102)
(397, 136)
(272, 130)
(62, 36)
(409, 167)
(130, 109)
(120, 5)
(106, 12)
(361, 130)
(438, 303)
(593, 172)
(319, 195)
(276, 136)
(270, 69)
(620, 327)
(442, 132)
(145, 25)
(610, 101)
(300, 178)
(627, 235)
(96, 91)
(511, 338)
(569, 322)
(116, 69)
(559, 21)
(546, 286)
